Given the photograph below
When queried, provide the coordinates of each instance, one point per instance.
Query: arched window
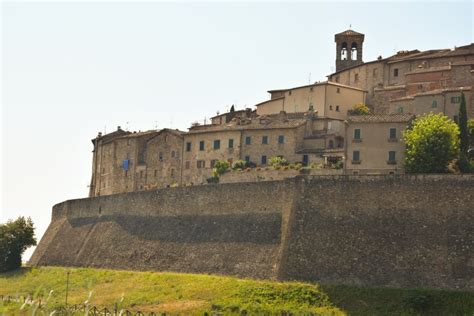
(331, 144)
(344, 51)
(354, 51)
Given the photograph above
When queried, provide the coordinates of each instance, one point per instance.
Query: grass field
(199, 294)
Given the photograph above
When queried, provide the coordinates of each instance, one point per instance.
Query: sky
(72, 69)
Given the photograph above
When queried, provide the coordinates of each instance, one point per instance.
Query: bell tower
(348, 49)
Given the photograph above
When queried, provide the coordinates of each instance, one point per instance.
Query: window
(357, 133)
(395, 72)
(393, 133)
(231, 143)
(355, 156)
(455, 99)
(375, 72)
(337, 78)
(289, 92)
(400, 109)
(331, 144)
(281, 139)
(456, 118)
(356, 77)
(173, 154)
(311, 89)
(188, 146)
(248, 140)
(265, 140)
(172, 172)
(156, 173)
(264, 160)
(160, 156)
(201, 145)
(305, 160)
(247, 159)
(338, 90)
(217, 144)
(187, 165)
(337, 108)
(141, 173)
(391, 157)
(434, 104)
(330, 107)
(213, 163)
(201, 164)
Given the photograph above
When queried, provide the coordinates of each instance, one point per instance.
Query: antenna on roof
(350, 26)
(156, 124)
(126, 126)
(309, 79)
(105, 129)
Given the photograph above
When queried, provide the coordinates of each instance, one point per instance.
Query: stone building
(126, 162)
(406, 74)
(375, 143)
(328, 99)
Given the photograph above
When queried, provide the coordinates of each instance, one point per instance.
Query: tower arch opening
(344, 51)
(354, 51)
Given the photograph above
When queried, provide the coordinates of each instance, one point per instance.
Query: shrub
(337, 165)
(220, 167)
(277, 162)
(359, 109)
(239, 164)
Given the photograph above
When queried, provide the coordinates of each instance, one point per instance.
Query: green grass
(197, 294)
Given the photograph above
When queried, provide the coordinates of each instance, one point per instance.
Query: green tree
(463, 162)
(470, 127)
(359, 109)
(432, 142)
(15, 237)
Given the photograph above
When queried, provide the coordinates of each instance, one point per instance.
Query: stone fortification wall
(413, 231)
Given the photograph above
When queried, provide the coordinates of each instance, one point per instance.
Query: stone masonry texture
(394, 231)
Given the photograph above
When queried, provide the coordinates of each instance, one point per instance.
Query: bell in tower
(348, 49)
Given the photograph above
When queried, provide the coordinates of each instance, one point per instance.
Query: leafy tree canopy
(15, 237)
(432, 142)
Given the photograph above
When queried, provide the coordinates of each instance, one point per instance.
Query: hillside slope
(197, 294)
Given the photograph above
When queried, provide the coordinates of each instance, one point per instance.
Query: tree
(432, 142)
(359, 109)
(463, 162)
(470, 127)
(15, 237)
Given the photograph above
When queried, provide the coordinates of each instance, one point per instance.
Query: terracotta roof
(381, 118)
(349, 32)
(416, 54)
(254, 124)
(274, 99)
(430, 69)
(322, 83)
(432, 92)
(139, 134)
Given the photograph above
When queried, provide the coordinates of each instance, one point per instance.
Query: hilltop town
(309, 126)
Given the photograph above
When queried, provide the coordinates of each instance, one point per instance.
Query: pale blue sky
(71, 69)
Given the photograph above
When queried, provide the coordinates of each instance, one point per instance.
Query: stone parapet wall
(254, 175)
(395, 231)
